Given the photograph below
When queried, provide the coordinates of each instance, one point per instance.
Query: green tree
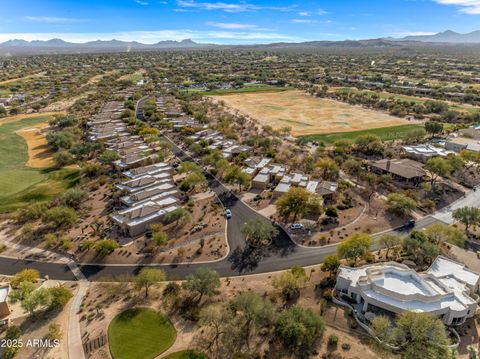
(433, 127)
(108, 157)
(355, 246)
(179, 216)
(215, 318)
(440, 233)
(259, 232)
(400, 204)
(437, 167)
(187, 166)
(252, 310)
(105, 247)
(328, 169)
(26, 275)
(235, 175)
(149, 277)
(192, 181)
(390, 241)
(421, 333)
(22, 291)
(299, 328)
(39, 298)
(382, 327)
(468, 216)
(59, 297)
(294, 202)
(418, 245)
(330, 264)
(73, 197)
(290, 283)
(159, 236)
(60, 216)
(203, 281)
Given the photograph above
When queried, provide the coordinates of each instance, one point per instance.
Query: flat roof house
(261, 180)
(403, 170)
(424, 152)
(458, 144)
(447, 289)
(137, 220)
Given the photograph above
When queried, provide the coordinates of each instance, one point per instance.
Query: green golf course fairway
(21, 184)
(140, 333)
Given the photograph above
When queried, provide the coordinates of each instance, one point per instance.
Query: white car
(295, 226)
(228, 214)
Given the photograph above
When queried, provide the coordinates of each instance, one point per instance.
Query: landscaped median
(140, 333)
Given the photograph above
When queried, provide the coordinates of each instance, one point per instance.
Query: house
(458, 144)
(137, 220)
(283, 187)
(326, 189)
(402, 170)
(4, 308)
(140, 183)
(471, 132)
(424, 152)
(145, 194)
(148, 170)
(447, 290)
(261, 180)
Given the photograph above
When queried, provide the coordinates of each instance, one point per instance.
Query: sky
(232, 21)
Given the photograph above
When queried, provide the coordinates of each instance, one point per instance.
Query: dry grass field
(38, 154)
(307, 115)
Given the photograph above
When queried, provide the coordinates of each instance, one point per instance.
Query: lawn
(386, 134)
(21, 184)
(186, 354)
(246, 89)
(140, 333)
(307, 115)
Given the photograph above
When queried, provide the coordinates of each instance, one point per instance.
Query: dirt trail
(22, 78)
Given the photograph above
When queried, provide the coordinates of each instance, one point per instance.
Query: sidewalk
(74, 338)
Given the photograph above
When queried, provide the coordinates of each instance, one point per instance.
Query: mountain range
(448, 36)
(53, 46)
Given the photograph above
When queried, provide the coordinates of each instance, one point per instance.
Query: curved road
(241, 260)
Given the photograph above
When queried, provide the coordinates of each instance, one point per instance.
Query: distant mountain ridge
(106, 44)
(448, 36)
(59, 46)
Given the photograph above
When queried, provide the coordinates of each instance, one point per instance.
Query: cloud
(53, 19)
(303, 13)
(302, 21)
(321, 12)
(232, 7)
(151, 37)
(140, 2)
(471, 7)
(414, 33)
(231, 26)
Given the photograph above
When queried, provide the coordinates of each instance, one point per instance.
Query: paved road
(241, 260)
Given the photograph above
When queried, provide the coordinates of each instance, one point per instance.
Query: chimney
(389, 162)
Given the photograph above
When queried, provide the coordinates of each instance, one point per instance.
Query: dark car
(410, 223)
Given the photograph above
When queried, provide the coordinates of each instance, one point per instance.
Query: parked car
(295, 226)
(410, 223)
(227, 214)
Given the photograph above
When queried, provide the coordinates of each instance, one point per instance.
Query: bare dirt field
(306, 114)
(38, 154)
(64, 104)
